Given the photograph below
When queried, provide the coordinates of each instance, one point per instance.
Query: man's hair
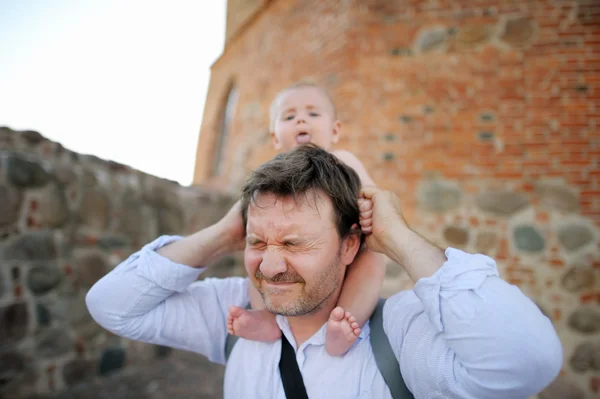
(299, 85)
(306, 170)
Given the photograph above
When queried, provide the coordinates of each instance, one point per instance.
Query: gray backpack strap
(230, 341)
(382, 350)
(384, 356)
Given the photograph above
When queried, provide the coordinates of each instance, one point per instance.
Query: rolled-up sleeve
(152, 299)
(466, 333)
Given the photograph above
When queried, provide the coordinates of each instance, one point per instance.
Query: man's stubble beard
(313, 300)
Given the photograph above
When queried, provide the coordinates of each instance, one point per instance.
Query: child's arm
(365, 275)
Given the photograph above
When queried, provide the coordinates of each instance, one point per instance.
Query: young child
(303, 114)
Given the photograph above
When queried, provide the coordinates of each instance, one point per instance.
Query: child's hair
(298, 85)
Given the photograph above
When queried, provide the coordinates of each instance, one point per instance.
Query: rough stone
(469, 37)
(501, 203)
(388, 156)
(64, 173)
(12, 365)
(53, 208)
(30, 246)
(485, 241)
(518, 31)
(91, 267)
(77, 313)
(397, 51)
(43, 315)
(579, 278)
(432, 39)
(486, 135)
(77, 370)
(2, 286)
(175, 377)
(43, 278)
(32, 137)
(52, 343)
(138, 222)
(10, 201)
(95, 209)
(586, 357)
(562, 388)
(557, 197)
(88, 179)
(89, 332)
(26, 174)
(160, 194)
(456, 236)
(170, 221)
(439, 195)
(112, 359)
(528, 239)
(113, 242)
(14, 320)
(573, 236)
(585, 321)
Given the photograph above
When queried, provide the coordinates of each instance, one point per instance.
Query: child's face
(304, 115)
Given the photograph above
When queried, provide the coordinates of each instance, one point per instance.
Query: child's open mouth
(303, 138)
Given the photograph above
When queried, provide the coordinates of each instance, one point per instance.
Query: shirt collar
(318, 338)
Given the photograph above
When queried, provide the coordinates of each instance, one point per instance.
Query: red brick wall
(484, 103)
(483, 119)
(239, 13)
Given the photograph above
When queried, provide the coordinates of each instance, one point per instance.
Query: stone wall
(66, 220)
(482, 116)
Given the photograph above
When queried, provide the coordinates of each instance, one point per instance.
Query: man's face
(294, 255)
(304, 115)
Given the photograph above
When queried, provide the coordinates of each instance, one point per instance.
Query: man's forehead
(289, 211)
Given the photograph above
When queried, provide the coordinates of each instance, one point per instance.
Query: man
(461, 333)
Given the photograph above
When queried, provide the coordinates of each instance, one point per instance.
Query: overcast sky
(123, 80)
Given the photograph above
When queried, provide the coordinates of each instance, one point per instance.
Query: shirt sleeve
(152, 299)
(466, 333)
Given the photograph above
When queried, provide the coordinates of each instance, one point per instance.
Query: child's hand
(366, 215)
(381, 219)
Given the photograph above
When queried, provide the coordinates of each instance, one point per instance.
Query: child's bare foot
(255, 325)
(342, 332)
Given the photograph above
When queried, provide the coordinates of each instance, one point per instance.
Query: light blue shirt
(461, 333)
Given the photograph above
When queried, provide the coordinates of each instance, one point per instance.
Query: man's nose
(272, 263)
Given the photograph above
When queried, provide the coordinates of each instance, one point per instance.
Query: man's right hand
(380, 215)
(232, 227)
(380, 218)
(209, 244)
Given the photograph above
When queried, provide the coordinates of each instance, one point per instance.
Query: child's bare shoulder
(351, 160)
(348, 158)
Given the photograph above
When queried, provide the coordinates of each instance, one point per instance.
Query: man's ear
(276, 142)
(350, 247)
(337, 130)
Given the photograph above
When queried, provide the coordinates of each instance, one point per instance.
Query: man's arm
(152, 296)
(463, 331)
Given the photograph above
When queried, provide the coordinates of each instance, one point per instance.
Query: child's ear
(337, 130)
(276, 142)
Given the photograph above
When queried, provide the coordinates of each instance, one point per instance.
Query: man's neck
(304, 327)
